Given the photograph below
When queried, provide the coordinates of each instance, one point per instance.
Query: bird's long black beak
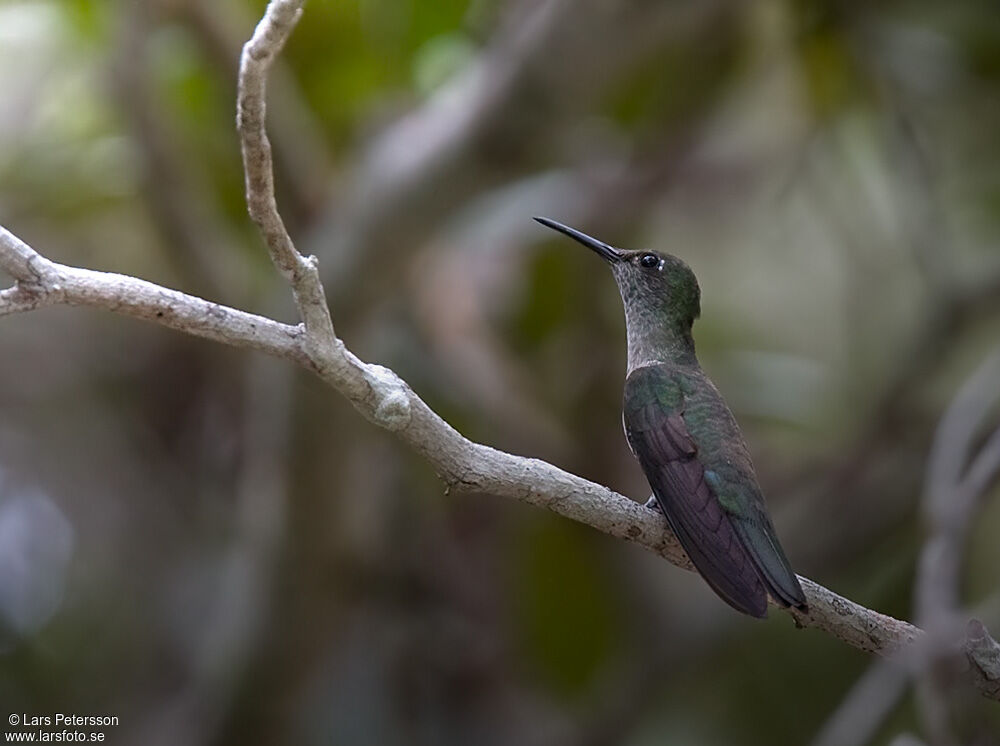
(610, 253)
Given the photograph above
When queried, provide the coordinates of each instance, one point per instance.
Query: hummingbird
(686, 439)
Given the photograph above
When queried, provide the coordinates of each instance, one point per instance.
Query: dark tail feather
(775, 570)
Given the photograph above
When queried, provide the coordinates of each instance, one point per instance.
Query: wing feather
(737, 553)
(667, 454)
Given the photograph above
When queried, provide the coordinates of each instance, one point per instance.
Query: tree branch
(953, 493)
(377, 392)
(300, 272)
(40, 282)
(384, 399)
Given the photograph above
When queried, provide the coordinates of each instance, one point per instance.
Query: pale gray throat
(651, 342)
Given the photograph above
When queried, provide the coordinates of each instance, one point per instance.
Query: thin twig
(952, 497)
(953, 494)
(869, 702)
(300, 272)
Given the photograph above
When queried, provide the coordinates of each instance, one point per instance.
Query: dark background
(217, 549)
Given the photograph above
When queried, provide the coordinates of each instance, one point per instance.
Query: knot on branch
(30, 292)
(983, 649)
(392, 409)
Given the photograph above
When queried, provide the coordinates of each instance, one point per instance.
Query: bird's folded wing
(659, 437)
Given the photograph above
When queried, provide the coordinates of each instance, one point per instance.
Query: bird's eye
(649, 260)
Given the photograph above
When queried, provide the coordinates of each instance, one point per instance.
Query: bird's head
(656, 288)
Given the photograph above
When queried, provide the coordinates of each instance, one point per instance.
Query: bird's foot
(652, 504)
